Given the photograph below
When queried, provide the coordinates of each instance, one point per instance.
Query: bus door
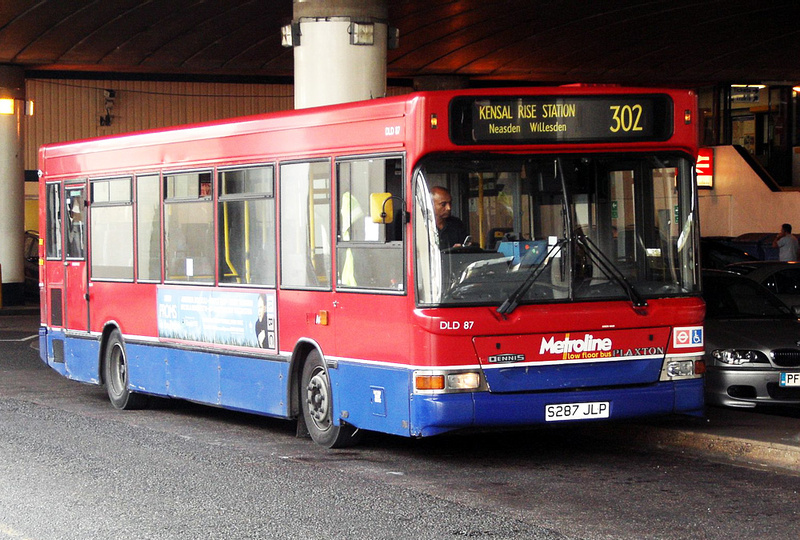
(76, 293)
(53, 279)
(370, 271)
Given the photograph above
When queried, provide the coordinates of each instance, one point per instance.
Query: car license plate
(790, 379)
(576, 411)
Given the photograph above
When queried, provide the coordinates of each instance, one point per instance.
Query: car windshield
(734, 297)
(493, 229)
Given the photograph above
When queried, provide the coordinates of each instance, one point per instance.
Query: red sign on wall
(705, 167)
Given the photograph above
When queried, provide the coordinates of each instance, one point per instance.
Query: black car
(781, 278)
(720, 252)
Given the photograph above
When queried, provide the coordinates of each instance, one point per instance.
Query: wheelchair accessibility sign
(688, 336)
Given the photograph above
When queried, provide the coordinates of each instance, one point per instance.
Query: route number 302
(626, 118)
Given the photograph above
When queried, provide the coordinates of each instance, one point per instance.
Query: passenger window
(188, 227)
(148, 228)
(306, 224)
(53, 245)
(112, 229)
(75, 208)
(369, 255)
(247, 231)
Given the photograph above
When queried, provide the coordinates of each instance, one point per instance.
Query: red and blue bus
(310, 265)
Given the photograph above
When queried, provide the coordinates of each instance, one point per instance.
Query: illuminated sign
(560, 119)
(705, 167)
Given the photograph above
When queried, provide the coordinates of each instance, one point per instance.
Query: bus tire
(317, 404)
(115, 375)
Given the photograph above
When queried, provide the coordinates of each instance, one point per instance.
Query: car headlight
(737, 357)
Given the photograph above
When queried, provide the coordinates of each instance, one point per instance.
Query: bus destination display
(504, 120)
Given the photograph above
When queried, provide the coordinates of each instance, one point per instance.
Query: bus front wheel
(115, 375)
(317, 405)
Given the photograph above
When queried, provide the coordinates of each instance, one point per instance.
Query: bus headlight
(464, 381)
(676, 369)
(438, 382)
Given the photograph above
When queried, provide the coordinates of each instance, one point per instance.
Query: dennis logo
(506, 358)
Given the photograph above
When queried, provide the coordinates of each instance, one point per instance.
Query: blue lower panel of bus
(365, 395)
(379, 399)
(372, 397)
(242, 383)
(255, 385)
(437, 414)
(72, 357)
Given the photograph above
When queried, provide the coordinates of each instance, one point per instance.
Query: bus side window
(53, 238)
(247, 226)
(305, 215)
(148, 228)
(188, 228)
(369, 254)
(76, 227)
(112, 228)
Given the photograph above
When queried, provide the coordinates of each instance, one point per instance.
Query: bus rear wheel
(115, 375)
(317, 405)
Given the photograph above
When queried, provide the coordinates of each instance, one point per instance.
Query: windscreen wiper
(612, 272)
(511, 303)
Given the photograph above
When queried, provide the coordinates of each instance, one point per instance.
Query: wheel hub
(318, 400)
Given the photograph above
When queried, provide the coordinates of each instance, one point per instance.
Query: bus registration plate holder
(557, 412)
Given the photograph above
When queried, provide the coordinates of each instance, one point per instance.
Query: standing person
(786, 243)
(452, 231)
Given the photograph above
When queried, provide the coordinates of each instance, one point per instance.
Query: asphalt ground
(767, 438)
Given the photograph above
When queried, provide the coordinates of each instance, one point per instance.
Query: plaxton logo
(576, 349)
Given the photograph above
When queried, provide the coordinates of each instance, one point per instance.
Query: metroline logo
(584, 345)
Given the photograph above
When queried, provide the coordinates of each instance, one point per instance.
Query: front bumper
(747, 387)
(440, 413)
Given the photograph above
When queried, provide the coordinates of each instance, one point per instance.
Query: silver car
(752, 342)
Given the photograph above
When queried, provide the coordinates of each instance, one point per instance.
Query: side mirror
(381, 209)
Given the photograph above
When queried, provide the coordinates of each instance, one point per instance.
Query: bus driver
(452, 231)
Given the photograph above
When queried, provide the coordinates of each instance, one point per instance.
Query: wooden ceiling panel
(645, 42)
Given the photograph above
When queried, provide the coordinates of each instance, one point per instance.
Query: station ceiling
(665, 42)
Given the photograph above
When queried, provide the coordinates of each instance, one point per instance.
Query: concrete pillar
(12, 183)
(328, 66)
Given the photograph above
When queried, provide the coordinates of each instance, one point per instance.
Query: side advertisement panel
(234, 319)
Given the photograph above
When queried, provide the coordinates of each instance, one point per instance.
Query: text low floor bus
(291, 264)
